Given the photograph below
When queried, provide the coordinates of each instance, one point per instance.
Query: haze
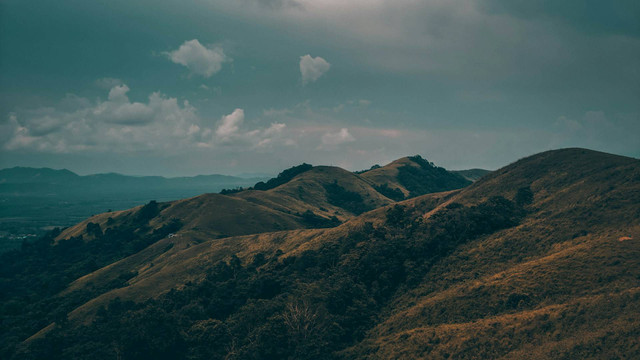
(200, 87)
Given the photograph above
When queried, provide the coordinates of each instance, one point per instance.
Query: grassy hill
(536, 260)
(35, 200)
(413, 176)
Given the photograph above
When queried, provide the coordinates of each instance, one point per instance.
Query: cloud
(108, 82)
(229, 124)
(200, 60)
(118, 109)
(229, 133)
(120, 125)
(331, 139)
(116, 124)
(312, 69)
(278, 4)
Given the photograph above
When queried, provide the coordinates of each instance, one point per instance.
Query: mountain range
(35, 200)
(538, 259)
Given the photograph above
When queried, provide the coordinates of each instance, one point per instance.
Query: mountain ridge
(522, 262)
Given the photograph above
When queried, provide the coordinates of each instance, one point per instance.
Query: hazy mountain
(36, 199)
(301, 197)
(538, 259)
(19, 181)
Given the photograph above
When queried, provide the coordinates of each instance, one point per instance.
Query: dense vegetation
(428, 178)
(308, 306)
(392, 193)
(35, 201)
(31, 276)
(339, 196)
(537, 260)
(283, 178)
(373, 167)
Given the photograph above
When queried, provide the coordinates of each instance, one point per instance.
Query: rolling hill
(303, 197)
(35, 200)
(538, 259)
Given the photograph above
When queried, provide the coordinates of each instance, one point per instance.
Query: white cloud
(337, 138)
(119, 93)
(229, 124)
(229, 132)
(113, 125)
(120, 125)
(312, 68)
(201, 60)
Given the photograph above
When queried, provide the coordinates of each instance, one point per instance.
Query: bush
(283, 178)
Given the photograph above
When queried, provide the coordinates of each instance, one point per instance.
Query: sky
(255, 86)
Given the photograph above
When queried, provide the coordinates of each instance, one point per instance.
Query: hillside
(538, 259)
(300, 197)
(33, 201)
(413, 176)
(320, 197)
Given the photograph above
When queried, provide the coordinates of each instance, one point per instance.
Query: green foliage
(524, 196)
(284, 177)
(343, 198)
(392, 193)
(376, 166)
(316, 221)
(307, 306)
(33, 275)
(428, 178)
(231, 191)
(147, 212)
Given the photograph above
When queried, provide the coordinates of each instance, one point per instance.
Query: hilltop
(303, 196)
(538, 259)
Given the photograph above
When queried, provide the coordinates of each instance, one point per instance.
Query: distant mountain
(539, 259)
(33, 200)
(24, 178)
(301, 197)
(22, 175)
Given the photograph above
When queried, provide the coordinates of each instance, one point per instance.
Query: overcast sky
(234, 86)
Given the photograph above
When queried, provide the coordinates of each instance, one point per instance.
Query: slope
(559, 284)
(326, 190)
(413, 176)
(539, 258)
(320, 197)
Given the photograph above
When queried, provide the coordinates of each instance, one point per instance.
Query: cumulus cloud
(116, 124)
(121, 125)
(337, 138)
(229, 132)
(312, 68)
(230, 124)
(200, 60)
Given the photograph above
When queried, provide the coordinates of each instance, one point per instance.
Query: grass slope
(537, 259)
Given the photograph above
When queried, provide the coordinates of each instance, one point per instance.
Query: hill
(536, 260)
(300, 197)
(36, 200)
(413, 176)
